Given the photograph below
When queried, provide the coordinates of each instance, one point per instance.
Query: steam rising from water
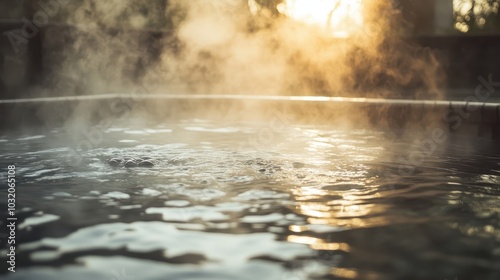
(240, 47)
(233, 47)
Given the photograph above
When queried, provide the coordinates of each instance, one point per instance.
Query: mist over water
(226, 47)
(238, 47)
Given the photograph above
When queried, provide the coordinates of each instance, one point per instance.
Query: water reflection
(362, 203)
(317, 207)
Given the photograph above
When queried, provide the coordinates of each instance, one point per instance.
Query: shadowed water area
(234, 201)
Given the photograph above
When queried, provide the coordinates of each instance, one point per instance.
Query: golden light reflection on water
(348, 209)
(319, 244)
(343, 203)
(344, 273)
(344, 199)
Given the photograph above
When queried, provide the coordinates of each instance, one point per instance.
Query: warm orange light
(341, 18)
(319, 244)
(345, 273)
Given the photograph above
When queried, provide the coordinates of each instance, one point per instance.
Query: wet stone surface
(146, 162)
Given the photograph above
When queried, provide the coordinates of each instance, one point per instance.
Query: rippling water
(241, 201)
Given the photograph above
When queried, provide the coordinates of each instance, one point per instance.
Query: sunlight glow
(480, 9)
(341, 18)
(319, 244)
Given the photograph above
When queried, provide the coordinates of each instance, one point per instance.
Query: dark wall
(20, 60)
(419, 14)
(465, 58)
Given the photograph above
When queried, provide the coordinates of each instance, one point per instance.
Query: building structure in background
(429, 17)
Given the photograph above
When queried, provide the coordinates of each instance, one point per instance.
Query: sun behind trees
(477, 16)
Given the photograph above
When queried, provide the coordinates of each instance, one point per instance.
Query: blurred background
(62, 48)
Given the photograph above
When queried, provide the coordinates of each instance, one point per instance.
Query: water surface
(247, 201)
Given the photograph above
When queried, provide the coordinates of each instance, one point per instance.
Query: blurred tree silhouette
(477, 16)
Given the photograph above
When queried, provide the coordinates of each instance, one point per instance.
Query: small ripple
(28, 138)
(273, 217)
(41, 173)
(38, 220)
(216, 130)
(152, 236)
(116, 195)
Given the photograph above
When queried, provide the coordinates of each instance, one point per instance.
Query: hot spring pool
(233, 201)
